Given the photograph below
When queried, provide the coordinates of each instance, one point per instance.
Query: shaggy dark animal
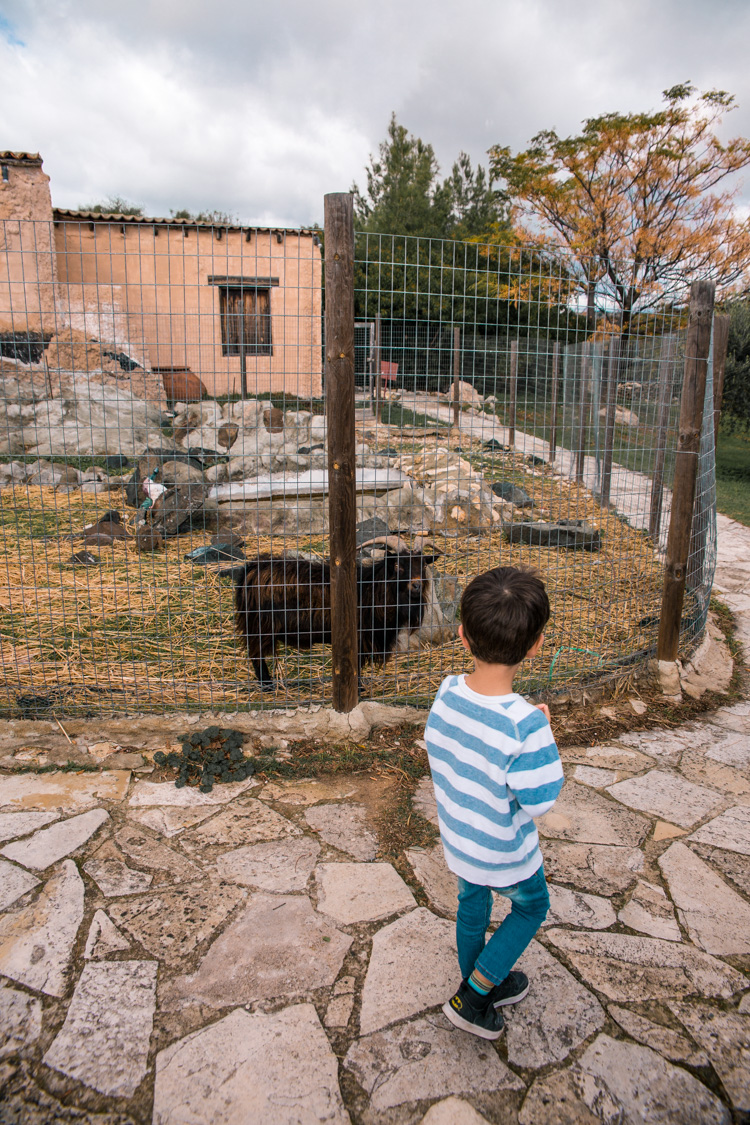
(287, 601)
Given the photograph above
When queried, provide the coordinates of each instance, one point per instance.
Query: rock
(69, 792)
(370, 529)
(598, 868)
(627, 968)
(666, 795)
(512, 493)
(48, 845)
(172, 923)
(17, 824)
(353, 892)
(344, 827)
(670, 1044)
(227, 434)
(274, 866)
(153, 855)
(594, 776)
(309, 791)
(649, 1089)
(540, 1032)
(588, 818)
(104, 938)
(14, 883)
(104, 1040)
(179, 472)
(424, 800)
(249, 823)
(614, 757)
(427, 1058)
(147, 793)
(278, 946)
(168, 822)
(116, 462)
(622, 416)
(36, 942)
(725, 1036)
(467, 394)
(453, 1111)
(396, 985)
(650, 912)
(638, 706)
(716, 917)
(559, 1100)
(92, 420)
(665, 831)
(710, 666)
(20, 1021)
(266, 1069)
(339, 1010)
(574, 535)
(735, 866)
(574, 908)
(112, 875)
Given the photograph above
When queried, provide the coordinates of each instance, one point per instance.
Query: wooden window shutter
(245, 321)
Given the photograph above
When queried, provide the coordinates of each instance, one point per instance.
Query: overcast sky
(260, 109)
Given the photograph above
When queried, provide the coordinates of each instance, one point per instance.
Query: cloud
(260, 110)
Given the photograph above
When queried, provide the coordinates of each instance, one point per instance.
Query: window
(245, 320)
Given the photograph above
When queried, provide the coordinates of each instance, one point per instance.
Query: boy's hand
(545, 711)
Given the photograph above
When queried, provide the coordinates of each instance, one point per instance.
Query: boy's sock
(480, 988)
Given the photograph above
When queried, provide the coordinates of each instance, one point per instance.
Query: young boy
(494, 766)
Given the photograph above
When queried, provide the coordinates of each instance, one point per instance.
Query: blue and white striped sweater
(494, 767)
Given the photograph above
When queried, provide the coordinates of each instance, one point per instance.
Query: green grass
(733, 477)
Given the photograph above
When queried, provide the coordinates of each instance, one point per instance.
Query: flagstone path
(246, 958)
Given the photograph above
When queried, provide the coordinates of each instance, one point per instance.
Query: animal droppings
(209, 756)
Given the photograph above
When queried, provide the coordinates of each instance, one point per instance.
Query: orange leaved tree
(643, 203)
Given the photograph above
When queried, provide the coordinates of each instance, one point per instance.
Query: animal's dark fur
(287, 601)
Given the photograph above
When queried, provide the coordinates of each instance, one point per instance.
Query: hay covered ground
(153, 632)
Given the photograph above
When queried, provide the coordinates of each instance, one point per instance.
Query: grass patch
(733, 477)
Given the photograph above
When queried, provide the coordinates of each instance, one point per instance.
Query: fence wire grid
(164, 424)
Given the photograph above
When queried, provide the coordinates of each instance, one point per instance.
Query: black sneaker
(474, 1013)
(511, 990)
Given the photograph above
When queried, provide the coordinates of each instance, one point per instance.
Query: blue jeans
(529, 906)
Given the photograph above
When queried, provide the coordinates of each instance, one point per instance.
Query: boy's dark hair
(503, 612)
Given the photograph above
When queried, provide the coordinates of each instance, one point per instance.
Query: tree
(114, 205)
(639, 201)
(735, 413)
(217, 218)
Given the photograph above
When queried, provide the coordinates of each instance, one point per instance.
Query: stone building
(124, 296)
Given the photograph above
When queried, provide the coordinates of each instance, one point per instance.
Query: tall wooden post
(721, 341)
(342, 509)
(456, 374)
(553, 420)
(376, 364)
(583, 392)
(666, 360)
(513, 392)
(613, 369)
(686, 466)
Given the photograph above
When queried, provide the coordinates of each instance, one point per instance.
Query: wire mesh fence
(164, 464)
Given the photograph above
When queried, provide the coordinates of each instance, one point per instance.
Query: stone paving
(179, 958)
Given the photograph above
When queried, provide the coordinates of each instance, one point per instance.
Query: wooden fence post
(583, 391)
(686, 466)
(342, 501)
(666, 359)
(613, 370)
(513, 390)
(553, 419)
(376, 364)
(456, 373)
(721, 341)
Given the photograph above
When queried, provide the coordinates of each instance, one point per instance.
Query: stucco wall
(27, 250)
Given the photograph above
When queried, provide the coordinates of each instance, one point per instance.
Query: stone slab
(144, 850)
(48, 845)
(541, 1030)
(396, 985)
(251, 1070)
(610, 757)
(283, 865)
(650, 912)
(650, 1089)
(696, 767)
(565, 1098)
(734, 866)
(339, 1011)
(595, 776)
(576, 908)
(426, 1058)
(251, 823)
(105, 1038)
(673, 1046)
(278, 946)
(345, 827)
(584, 816)
(729, 830)
(169, 821)
(14, 824)
(69, 792)
(104, 938)
(731, 750)
(667, 795)
(146, 793)
(112, 875)
(597, 868)
(424, 800)
(20, 1021)
(716, 917)
(172, 923)
(358, 892)
(453, 1111)
(36, 942)
(627, 968)
(665, 831)
(14, 883)
(309, 791)
(725, 1036)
